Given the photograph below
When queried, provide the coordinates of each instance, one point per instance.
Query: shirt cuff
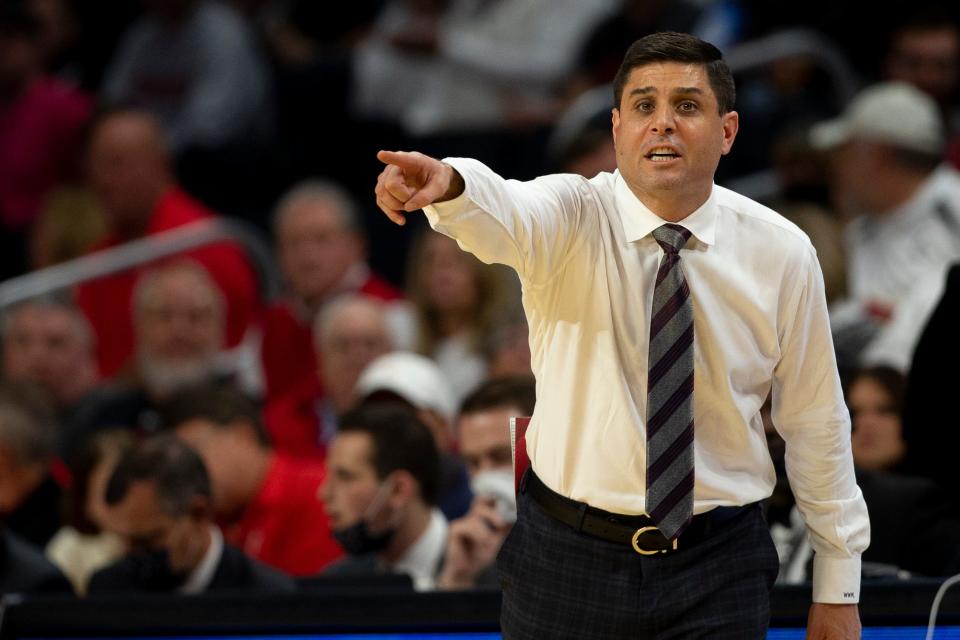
(836, 580)
(439, 210)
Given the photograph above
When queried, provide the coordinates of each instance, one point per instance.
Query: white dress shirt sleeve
(810, 414)
(530, 226)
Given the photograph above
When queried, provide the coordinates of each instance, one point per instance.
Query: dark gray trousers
(559, 584)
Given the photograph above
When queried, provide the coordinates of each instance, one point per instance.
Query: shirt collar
(639, 221)
(422, 560)
(202, 576)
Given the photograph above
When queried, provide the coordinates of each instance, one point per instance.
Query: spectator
(24, 569)
(349, 334)
(81, 547)
(492, 64)
(484, 437)
(194, 64)
(179, 324)
(267, 502)
(875, 399)
(418, 384)
(131, 173)
(321, 251)
(457, 300)
(29, 492)
(50, 343)
(380, 496)
(886, 172)
(483, 426)
(924, 50)
(159, 501)
(41, 120)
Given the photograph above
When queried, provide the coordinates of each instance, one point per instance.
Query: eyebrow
(677, 91)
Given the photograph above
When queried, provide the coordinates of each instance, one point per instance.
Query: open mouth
(662, 154)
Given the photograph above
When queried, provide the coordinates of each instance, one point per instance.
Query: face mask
(499, 485)
(357, 539)
(151, 571)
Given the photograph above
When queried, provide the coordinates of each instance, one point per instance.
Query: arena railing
(63, 276)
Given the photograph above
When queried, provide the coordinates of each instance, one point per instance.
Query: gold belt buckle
(644, 552)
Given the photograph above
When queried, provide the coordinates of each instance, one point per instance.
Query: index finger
(401, 159)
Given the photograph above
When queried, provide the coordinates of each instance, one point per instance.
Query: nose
(663, 122)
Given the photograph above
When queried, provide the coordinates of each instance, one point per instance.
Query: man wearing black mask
(158, 502)
(380, 494)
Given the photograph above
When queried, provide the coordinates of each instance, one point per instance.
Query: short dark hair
(175, 468)
(221, 404)
(400, 441)
(506, 391)
(890, 380)
(670, 46)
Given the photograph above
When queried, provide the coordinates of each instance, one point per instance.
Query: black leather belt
(638, 532)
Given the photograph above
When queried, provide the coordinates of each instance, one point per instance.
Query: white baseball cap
(413, 377)
(894, 113)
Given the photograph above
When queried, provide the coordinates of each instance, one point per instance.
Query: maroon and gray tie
(670, 391)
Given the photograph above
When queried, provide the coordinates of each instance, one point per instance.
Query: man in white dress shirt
(587, 557)
(889, 177)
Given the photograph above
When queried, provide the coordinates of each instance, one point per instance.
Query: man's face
(670, 136)
(352, 482)
(48, 346)
(141, 522)
(128, 168)
(929, 59)
(485, 439)
(180, 320)
(854, 166)
(356, 337)
(315, 249)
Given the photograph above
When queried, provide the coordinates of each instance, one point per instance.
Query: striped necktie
(670, 391)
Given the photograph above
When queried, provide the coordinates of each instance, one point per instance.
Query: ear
(730, 123)
(615, 117)
(405, 488)
(200, 509)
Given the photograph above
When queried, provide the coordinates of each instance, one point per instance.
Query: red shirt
(107, 302)
(40, 138)
(287, 351)
(285, 526)
(294, 421)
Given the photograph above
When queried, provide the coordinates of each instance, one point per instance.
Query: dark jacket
(235, 572)
(24, 568)
(929, 412)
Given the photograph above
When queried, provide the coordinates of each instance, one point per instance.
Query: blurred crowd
(175, 426)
